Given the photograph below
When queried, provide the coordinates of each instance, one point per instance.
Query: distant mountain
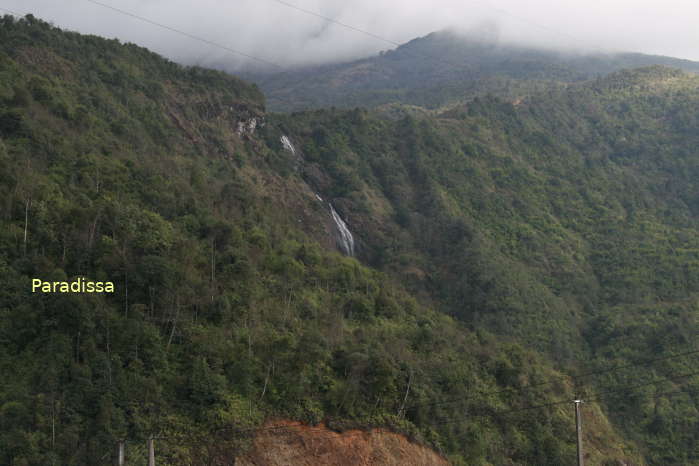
(231, 303)
(509, 255)
(442, 67)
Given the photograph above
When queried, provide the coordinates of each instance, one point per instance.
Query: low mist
(275, 32)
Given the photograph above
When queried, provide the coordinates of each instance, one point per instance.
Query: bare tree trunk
(401, 411)
(287, 308)
(109, 356)
(93, 230)
(151, 295)
(27, 204)
(344, 395)
(264, 389)
(248, 326)
(53, 422)
(77, 348)
(376, 406)
(126, 294)
(174, 322)
(213, 267)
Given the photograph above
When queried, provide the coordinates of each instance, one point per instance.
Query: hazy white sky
(273, 31)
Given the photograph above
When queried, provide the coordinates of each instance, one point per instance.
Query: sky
(273, 32)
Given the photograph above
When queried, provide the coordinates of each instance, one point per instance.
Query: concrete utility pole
(151, 452)
(120, 455)
(578, 428)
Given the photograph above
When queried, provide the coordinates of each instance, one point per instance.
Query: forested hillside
(500, 250)
(443, 67)
(567, 221)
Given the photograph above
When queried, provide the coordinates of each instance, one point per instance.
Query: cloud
(277, 33)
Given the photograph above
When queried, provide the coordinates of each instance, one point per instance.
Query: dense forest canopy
(508, 250)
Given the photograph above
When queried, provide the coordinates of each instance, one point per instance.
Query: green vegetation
(500, 246)
(443, 67)
(568, 222)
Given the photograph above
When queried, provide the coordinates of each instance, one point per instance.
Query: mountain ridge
(503, 250)
(233, 304)
(441, 68)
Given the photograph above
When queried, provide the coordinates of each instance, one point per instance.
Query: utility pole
(578, 428)
(151, 452)
(120, 455)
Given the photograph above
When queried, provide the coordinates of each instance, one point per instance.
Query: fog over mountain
(450, 241)
(277, 31)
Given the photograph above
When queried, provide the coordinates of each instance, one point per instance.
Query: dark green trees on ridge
(500, 246)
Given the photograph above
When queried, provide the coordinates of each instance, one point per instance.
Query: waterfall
(346, 240)
(288, 145)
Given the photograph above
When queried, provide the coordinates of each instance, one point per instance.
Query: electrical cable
(629, 387)
(556, 379)
(14, 13)
(496, 413)
(588, 374)
(326, 432)
(616, 390)
(330, 20)
(383, 39)
(186, 34)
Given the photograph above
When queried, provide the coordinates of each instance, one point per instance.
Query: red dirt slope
(295, 444)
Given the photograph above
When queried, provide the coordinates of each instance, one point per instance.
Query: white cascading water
(288, 145)
(346, 239)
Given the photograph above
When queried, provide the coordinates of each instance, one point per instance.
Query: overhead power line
(596, 397)
(370, 34)
(646, 384)
(657, 395)
(507, 412)
(488, 5)
(635, 364)
(184, 33)
(258, 59)
(11, 12)
(529, 387)
(326, 432)
(554, 380)
(330, 20)
(535, 24)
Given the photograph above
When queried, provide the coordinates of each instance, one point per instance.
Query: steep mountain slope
(441, 68)
(567, 221)
(499, 246)
(232, 303)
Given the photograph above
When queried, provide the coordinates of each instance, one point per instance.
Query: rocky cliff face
(288, 443)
